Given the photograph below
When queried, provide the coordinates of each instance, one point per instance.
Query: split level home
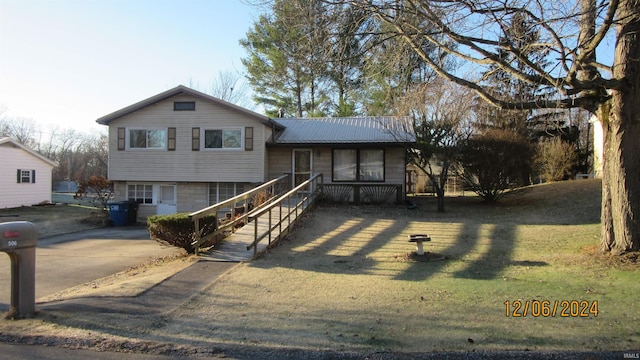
(25, 176)
(183, 150)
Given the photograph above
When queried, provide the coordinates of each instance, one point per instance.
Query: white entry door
(167, 200)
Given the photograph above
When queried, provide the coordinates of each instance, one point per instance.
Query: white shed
(25, 175)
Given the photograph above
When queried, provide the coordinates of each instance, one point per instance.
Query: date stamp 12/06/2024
(551, 308)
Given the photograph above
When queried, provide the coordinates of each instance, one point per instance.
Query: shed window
(184, 106)
(358, 165)
(26, 176)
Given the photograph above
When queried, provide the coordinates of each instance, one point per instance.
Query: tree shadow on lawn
(485, 268)
(360, 239)
(367, 242)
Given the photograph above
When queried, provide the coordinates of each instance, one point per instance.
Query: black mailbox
(19, 240)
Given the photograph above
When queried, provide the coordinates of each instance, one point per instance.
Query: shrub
(555, 159)
(494, 162)
(97, 188)
(178, 229)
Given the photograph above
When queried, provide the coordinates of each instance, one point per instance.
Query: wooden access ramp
(267, 224)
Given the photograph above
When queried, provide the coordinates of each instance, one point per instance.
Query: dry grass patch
(51, 220)
(337, 282)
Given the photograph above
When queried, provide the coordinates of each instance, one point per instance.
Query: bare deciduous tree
(230, 87)
(570, 32)
(20, 129)
(441, 113)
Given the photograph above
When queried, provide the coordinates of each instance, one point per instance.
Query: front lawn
(346, 280)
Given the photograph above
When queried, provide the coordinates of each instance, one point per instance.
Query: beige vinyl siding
(14, 194)
(183, 164)
(395, 166)
(279, 162)
(144, 212)
(322, 162)
(192, 196)
(187, 197)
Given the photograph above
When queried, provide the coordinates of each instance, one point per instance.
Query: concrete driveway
(68, 260)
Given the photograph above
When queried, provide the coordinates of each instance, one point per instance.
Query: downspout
(273, 132)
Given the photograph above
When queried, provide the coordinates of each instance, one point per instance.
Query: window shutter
(33, 176)
(195, 139)
(248, 139)
(121, 136)
(171, 139)
(19, 176)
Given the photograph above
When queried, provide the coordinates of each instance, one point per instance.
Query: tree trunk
(440, 196)
(442, 182)
(438, 187)
(607, 241)
(621, 173)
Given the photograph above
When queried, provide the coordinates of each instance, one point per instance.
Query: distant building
(25, 175)
(66, 186)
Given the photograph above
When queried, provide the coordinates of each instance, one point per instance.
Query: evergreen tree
(286, 60)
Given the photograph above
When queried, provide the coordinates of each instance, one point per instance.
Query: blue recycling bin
(119, 213)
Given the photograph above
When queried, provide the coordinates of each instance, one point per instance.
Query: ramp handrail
(309, 190)
(214, 209)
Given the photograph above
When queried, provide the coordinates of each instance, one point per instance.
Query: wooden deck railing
(289, 206)
(274, 188)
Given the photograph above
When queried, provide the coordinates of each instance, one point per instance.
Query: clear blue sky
(69, 62)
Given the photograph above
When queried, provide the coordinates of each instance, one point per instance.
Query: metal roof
(346, 130)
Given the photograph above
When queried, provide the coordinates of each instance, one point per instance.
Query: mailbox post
(19, 240)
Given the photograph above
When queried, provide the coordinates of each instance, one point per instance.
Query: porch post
(356, 194)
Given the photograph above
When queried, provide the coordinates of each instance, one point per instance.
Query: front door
(167, 200)
(302, 165)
